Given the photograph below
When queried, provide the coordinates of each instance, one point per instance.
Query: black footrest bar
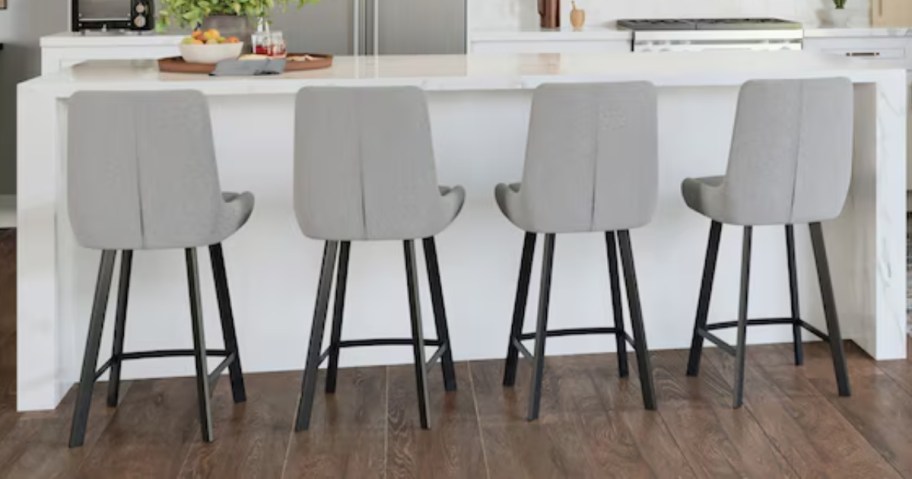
(752, 322)
(717, 341)
(570, 332)
(324, 355)
(631, 341)
(816, 332)
(359, 343)
(522, 349)
(214, 375)
(170, 353)
(771, 321)
(104, 367)
(162, 353)
(436, 356)
(355, 343)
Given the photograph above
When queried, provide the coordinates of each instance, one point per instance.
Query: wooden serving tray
(178, 65)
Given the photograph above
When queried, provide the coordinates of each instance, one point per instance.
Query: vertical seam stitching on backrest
(360, 161)
(595, 158)
(134, 111)
(798, 145)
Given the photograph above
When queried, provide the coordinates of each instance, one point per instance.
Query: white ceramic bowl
(211, 53)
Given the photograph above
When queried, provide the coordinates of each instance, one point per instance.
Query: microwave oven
(112, 15)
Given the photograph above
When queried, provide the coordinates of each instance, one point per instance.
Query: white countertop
(611, 32)
(590, 32)
(856, 32)
(106, 39)
(482, 72)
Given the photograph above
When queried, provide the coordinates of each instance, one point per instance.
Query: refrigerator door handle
(376, 42)
(356, 27)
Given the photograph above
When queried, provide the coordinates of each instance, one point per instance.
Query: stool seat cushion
(452, 199)
(234, 214)
(703, 195)
(507, 196)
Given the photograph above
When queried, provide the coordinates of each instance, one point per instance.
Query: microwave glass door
(104, 10)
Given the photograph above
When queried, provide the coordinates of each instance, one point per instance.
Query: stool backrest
(364, 164)
(791, 153)
(141, 169)
(591, 157)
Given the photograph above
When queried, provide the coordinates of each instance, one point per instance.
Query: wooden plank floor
(592, 423)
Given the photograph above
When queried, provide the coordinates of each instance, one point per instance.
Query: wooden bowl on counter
(295, 62)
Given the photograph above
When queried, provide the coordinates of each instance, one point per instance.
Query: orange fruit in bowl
(234, 40)
(211, 34)
(197, 34)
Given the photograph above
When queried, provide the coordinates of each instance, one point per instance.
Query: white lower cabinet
(875, 48)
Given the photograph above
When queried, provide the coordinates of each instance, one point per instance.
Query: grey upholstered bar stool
(364, 171)
(591, 166)
(142, 175)
(790, 162)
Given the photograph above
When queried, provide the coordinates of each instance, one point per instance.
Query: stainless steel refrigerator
(368, 27)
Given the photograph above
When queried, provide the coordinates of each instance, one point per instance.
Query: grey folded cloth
(249, 67)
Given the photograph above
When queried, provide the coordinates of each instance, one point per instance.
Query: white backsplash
(513, 14)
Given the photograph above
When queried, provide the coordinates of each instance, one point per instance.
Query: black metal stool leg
(440, 318)
(636, 321)
(541, 328)
(332, 370)
(411, 277)
(199, 346)
(217, 258)
(741, 346)
(829, 309)
(793, 293)
(93, 344)
(309, 383)
(519, 308)
(709, 272)
(617, 307)
(120, 324)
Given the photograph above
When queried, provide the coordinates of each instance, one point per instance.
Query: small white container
(211, 53)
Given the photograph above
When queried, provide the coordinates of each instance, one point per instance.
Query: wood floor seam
(386, 433)
(677, 444)
(855, 427)
(484, 452)
(288, 444)
(771, 441)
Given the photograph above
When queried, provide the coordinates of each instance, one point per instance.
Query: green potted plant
(231, 17)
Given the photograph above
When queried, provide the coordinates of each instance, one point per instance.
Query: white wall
(494, 14)
(21, 25)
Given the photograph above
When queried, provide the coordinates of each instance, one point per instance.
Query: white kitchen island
(479, 112)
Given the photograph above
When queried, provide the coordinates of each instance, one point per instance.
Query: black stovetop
(708, 24)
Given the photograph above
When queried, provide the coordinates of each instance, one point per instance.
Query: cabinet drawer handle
(863, 54)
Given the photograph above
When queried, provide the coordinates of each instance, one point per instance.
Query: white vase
(837, 17)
